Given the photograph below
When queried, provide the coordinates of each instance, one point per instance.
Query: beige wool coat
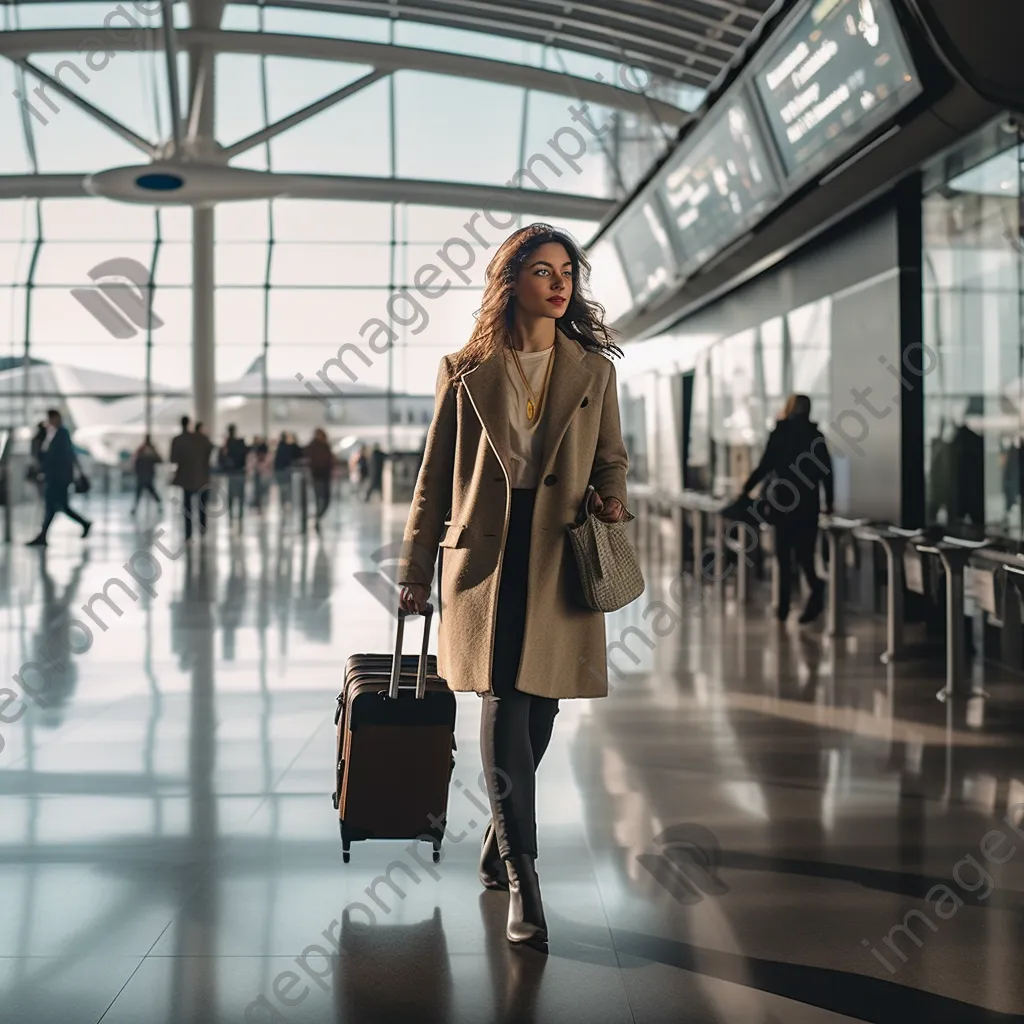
(462, 501)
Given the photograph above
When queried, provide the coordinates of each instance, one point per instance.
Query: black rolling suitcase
(395, 739)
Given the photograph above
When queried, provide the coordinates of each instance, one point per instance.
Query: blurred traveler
(796, 463)
(59, 463)
(355, 461)
(190, 452)
(231, 460)
(260, 462)
(146, 459)
(284, 458)
(35, 468)
(376, 473)
(321, 469)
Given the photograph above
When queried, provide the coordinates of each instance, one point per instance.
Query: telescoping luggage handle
(396, 665)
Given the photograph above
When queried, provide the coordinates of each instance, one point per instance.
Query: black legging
(515, 727)
(799, 537)
(56, 500)
(321, 494)
(145, 487)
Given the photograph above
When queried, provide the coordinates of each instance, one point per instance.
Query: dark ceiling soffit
(942, 44)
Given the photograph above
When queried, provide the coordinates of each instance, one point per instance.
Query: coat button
(584, 402)
(550, 479)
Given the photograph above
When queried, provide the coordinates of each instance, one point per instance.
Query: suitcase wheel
(437, 854)
(345, 847)
(346, 856)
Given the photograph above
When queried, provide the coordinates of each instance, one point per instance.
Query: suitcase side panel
(395, 758)
(395, 779)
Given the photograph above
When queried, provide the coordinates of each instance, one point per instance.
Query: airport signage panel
(837, 73)
(720, 184)
(646, 251)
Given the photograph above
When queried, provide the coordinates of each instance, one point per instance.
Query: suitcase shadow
(395, 973)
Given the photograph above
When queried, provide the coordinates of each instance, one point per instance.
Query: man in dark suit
(58, 464)
(231, 461)
(190, 452)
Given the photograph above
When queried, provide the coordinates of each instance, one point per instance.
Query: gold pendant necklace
(531, 406)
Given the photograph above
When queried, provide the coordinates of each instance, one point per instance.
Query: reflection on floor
(756, 827)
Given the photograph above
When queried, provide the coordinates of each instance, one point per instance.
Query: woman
(321, 468)
(147, 458)
(796, 459)
(526, 416)
(285, 456)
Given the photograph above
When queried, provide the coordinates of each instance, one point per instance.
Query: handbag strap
(602, 541)
(584, 509)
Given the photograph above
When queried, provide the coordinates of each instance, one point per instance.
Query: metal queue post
(6, 446)
(894, 542)
(954, 554)
(701, 505)
(1015, 580)
(837, 530)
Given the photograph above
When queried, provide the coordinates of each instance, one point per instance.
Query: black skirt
(510, 623)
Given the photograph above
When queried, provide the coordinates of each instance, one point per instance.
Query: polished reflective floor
(757, 826)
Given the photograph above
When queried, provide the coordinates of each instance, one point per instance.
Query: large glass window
(972, 318)
(296, 280)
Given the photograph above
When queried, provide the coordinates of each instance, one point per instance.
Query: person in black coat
(35, 472)
(58, 463)
(231, 461)
(147, 458)
(797, 465)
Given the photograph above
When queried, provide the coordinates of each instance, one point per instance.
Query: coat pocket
(452, 534)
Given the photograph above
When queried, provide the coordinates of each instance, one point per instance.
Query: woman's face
(544, 284)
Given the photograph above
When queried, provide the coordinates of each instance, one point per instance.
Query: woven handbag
(609, 572)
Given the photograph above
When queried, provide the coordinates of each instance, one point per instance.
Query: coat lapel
(487, 387)
(570, 381)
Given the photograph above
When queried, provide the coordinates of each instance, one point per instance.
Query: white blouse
(526, 438)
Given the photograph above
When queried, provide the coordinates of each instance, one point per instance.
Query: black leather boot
(526, 924)
(492, 867)
(815, 605)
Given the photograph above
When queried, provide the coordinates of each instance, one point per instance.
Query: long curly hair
(583, 320)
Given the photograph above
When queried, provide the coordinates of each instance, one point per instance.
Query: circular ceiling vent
(160, 182)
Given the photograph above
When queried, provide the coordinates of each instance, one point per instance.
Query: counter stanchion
(697, 529)
(679, 534)
(954, 555)
(714, 571)
(838, 530)
(1015, 583)
(894, 542)
(733, 539)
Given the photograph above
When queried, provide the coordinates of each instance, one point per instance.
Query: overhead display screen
(717, 188)
(646, 252)
(838, 73)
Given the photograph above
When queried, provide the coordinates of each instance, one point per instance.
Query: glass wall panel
(972, 318)
(351, 137)
(430, 108)
(810, 344)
